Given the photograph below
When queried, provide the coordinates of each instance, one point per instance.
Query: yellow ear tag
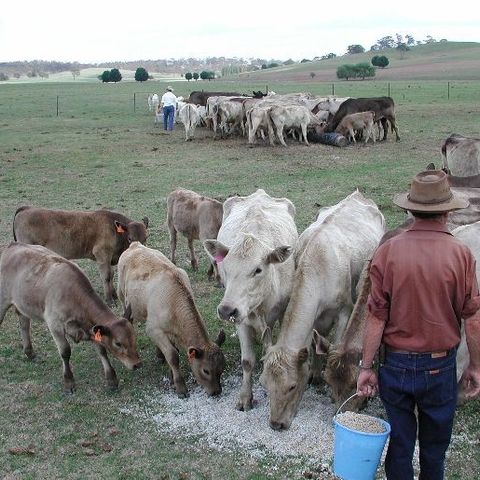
(98, 336)
(191, 354)
(120, 229)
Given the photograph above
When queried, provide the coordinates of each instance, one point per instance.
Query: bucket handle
(343, 404)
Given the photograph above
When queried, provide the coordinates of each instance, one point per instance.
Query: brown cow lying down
(195, 217)
(38, 283)
(153, 290)
(100, 235)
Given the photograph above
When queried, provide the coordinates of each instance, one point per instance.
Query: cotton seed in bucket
(360, 422)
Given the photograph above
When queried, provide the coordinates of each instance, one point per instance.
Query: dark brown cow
(200, 98)
(384, 109)
(195, 217)
(40, 284)
(100, 235)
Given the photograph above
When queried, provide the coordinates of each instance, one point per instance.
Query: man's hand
(367, 383)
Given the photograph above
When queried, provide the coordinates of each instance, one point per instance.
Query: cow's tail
(20, 209)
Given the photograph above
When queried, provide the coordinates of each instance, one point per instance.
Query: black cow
(383, 107)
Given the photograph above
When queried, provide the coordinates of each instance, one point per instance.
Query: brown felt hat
(430, 193)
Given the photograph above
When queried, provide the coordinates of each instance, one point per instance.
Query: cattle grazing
(253, 252)
(40, 284)
(188, 115)
(100, 235)
(383, 107)
(153, 290)
(461, 155)
(194, 216)
(200, 98)
(360, 124)
(257, 121)
(329, 258)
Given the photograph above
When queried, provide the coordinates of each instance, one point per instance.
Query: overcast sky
(95, 31)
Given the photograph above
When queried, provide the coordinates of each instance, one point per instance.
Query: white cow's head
(249, 272)
(285, 377)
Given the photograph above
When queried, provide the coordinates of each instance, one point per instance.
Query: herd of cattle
(313, 285)
(273, 116)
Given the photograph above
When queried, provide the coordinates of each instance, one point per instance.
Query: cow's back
(461, 155)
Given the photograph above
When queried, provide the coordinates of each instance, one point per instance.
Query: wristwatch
(364, 367)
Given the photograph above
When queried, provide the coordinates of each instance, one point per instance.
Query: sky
(97, 31)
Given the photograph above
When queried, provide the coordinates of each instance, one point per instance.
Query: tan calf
(358, 123)
(40, 284)
(194, 216)
(153, 290)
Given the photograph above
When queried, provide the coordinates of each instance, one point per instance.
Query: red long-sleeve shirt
(423, 283)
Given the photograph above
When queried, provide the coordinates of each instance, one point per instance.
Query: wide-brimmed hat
(170, 89)
(430, 193)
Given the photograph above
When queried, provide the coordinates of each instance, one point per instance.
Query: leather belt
(437, 354)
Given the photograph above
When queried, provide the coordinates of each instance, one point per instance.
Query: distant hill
(431, 61)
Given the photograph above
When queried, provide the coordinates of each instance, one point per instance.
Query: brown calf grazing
(40, 284)
(153, 290)
(360, 123)
(100, 235)
(194, 216)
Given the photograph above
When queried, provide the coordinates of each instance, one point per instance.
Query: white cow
(188, 115)
(461, 155)
(329, 257)
(292, 117)
(153, 102)
(253, 252)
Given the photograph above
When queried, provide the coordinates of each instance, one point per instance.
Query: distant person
(168, 103)
(424, 286)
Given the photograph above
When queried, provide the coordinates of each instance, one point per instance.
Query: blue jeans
(407, 381)
(168, 117)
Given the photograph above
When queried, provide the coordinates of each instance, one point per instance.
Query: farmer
(168, 103)
(423, 285)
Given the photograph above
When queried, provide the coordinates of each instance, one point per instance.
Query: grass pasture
(104, 150)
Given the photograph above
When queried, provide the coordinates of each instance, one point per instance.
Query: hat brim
(457, 202)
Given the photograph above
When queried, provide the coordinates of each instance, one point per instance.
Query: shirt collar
(421, 224)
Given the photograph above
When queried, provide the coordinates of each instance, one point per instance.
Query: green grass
(101, 152)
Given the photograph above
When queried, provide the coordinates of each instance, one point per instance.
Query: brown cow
(100, 235)
(153, 290)
(384, 108)
(195, 217)
(40, 284)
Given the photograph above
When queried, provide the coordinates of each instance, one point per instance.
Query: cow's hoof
(69, 391)
(113, 388)
(183, 395)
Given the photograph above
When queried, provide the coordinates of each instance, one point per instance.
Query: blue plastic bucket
(358, 454)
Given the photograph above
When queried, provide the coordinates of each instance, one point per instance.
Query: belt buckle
(439, 354)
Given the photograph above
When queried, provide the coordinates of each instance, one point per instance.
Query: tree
(402, 49)
(115, 75)
(105, 76)
(345, 72)
(196, 76)
(386, 42)
(364, 70)
(188, 76)
(355, 49)
(141, 75)
(75, 73)
(312, 75)
(380, 61)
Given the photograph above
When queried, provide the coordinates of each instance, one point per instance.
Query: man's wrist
(362, 366)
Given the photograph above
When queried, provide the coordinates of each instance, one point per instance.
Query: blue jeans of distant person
(168, 117)
(429, 384)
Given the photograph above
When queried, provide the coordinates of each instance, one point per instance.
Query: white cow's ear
(322, 345)
(302, 356)
(280, 254)
(216, 250)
